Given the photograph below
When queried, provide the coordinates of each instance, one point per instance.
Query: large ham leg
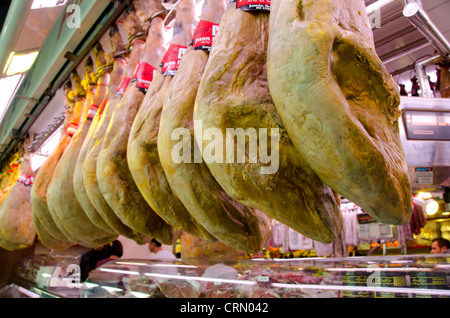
(234, 94)
(113, 176)
(103, 77)
(339, 103)
(229, 221)
(17, 230)
(63, 204)
(94, 199)
(48, 232)
(143, 157)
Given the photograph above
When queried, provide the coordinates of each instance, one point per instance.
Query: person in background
(112, 252)
(440, 246)
(155, 247)
(90, 259)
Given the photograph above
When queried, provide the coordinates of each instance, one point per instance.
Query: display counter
(415, 276)
(48, 276)
(400, 276)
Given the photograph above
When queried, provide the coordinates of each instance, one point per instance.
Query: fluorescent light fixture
(38, 4)
(139, 294)
(119, 271)
(8, 87)
(365, 288)
(377, 5)
(20, 62)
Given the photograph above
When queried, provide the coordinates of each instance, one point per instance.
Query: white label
(263, 278)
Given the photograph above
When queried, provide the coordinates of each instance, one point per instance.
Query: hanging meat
(339, 103)
(63, 204)
(17, 230)
(234, 102)
(142, 155)
(114, 73)
(101, 78)
(48, 232)
(229, 221)
(113, 176)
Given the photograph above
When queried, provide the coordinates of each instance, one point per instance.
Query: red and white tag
(123, 85)
(71, 129)
(253, 5)
(102, 107)
(172, 58)
(204, 35)
(92, 111)
(26, 179)
(144, 75)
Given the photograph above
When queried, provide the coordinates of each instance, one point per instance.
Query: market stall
(271, 146)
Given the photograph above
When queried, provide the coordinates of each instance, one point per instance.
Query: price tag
(263, 279)
(144, 76)
(253, 5)
(172, 58)
(423, 175)
(204, 35)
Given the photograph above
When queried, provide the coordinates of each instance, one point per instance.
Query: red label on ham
(26, 179)
(253, 5)
(204, 35)
(92, 111)
(123, 86)
(102, 107)
(171, 60)
(144, 75)
(71, 129)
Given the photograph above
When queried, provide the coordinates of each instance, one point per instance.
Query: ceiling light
(8, 87)
(20, 62)
(377, 5)
(431, 206)
(38, 4)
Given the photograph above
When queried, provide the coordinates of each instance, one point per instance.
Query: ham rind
(113, 175)
(339, 104)
(48, 232)
(91, 194)
(143, 157)
(234, 94)
(64, 207)
(229, 221)
(78, 185)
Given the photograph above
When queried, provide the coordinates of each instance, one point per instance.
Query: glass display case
(402, 276)
(49, 276)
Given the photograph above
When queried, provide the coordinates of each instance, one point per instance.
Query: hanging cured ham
(93, 199)
(338, 102)
(63, 204)
(231, 222)
(17, 230)
(101, 79)
(234, 94)
(48, 232)
(142, 155)
(113, 176)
